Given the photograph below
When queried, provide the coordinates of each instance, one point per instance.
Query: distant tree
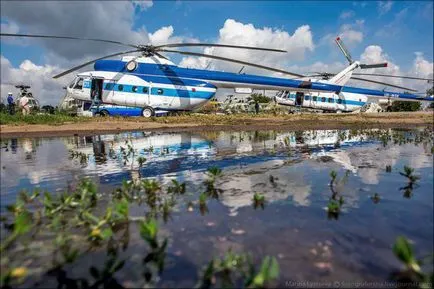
(257, 97)
(48, 109)
(406, 106)
(430, 92)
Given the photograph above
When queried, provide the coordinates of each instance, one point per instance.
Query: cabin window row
(323, 99)
(315, 98)
(120, 87)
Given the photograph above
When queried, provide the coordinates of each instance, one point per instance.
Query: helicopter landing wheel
(104, 113)
(148, 112)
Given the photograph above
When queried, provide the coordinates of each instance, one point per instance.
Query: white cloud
(422, 67)
(375, 54)
(46, 89)
(350, 33)
(237, 33)
(162, 35)
(114, 20)
(384, 7)
(165, 35)
(346, 14)
(143, 4)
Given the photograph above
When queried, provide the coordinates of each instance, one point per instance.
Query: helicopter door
(96, 90)
(299, 96)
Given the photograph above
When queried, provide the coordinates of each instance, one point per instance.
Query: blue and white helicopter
(349, 98)
(153, 82)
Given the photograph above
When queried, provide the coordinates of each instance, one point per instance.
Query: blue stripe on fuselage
(179, 74)
(170, 74)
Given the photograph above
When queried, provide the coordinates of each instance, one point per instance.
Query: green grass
(50, 119)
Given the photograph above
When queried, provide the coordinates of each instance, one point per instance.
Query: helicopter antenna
(239, 72)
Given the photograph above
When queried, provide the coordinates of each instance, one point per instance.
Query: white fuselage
(344, 101)
(131, 90)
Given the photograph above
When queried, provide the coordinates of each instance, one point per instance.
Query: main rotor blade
(377, 65)
(160, 55)
(379, 82)
(68, 37)
(396, 76)
(217, 45)
(232, 60)
(92, 61)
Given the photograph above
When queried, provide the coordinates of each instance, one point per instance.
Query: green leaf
(118, 266)
(149, 229)
(121, 208)
(23, 223)
(403, 250)
(91, 217)
(106, 233)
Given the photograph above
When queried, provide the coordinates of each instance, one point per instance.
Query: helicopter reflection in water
(248, 158)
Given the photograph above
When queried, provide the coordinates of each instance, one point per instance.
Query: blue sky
(203, 19)
(398, 28)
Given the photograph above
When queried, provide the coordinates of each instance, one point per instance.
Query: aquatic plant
(154, 261)
(235, 269)
(78, 225)
(141, 160)
(412, 179)
(388, 168)
(272, 179)
(408, 173)
(336, 200)
(375, 198)
(202, 203)
(212, 174)
(258, 201)
(176, 188)
(404, 252)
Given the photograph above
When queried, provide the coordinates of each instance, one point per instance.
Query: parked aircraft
(153, 82)
(348, 99)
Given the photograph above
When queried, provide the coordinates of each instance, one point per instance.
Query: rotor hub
(147, 50)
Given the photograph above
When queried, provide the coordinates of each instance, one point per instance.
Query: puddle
(290, 169)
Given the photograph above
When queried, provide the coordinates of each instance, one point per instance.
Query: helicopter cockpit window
(79, 84)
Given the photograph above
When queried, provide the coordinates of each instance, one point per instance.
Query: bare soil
(223, 122)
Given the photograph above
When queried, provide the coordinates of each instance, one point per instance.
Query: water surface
(292, 170)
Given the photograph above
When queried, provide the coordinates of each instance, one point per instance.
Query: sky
(398, 32)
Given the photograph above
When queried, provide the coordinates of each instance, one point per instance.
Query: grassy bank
(59, 124)
(215, 119)
(49, 119)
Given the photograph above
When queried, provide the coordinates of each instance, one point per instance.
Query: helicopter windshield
(77, 83)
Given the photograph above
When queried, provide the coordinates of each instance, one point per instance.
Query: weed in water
(412, 179)
(141, 160)
(375, 198)
(176, 188)
(258, 201)
(403, 251)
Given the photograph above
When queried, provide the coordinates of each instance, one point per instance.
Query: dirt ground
(215, 122)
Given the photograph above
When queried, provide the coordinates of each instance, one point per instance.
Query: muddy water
(290, 168)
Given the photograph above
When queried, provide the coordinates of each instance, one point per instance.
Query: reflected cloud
(241, 184)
